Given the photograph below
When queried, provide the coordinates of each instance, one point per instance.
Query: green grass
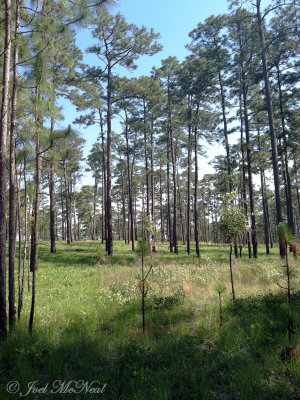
(88, 326)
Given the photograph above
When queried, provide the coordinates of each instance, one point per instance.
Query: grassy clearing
(88, 326)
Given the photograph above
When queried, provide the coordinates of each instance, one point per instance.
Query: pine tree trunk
(20, 306)
(3, 151)
(272, 132)
(152, 187)
(244, 181)
(130, 202)
(123, 204)
(162, 224)
(104, 184)
(35, 230)
(109, 239)
(12, 172)
(250, 179)
(168, 198)
(18, 182)
(102, 210)
(67, 202)
(288, 186)
(188, 210)
(146, 172)
(231, 273)
(70, 209)
(95, 209)
(62, 211)
(264, 200)
(196, 187)
(52, 196)
(174, 170)
(181, 216)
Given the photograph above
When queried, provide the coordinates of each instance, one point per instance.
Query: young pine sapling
(142, 250)
(286, 239)
(220, 289)
(233, 224)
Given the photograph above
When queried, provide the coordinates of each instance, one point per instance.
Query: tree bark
(3, 151)
(147, 172)
(130, 202)
(168, 197)
(196, 186)
(20, 305)
(95, 209)
(109, 239)
(249, 166)
(35, 230)
(272, 132)
(288, 186)
(174, 170)
(52, 196)
(244, 193)
(12, 173)
(67, 202)
(188, 210)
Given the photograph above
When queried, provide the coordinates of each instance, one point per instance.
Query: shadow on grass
(241, 361)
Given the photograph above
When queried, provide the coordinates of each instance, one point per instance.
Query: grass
(88, 326)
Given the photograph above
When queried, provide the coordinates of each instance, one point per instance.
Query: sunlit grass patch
(88, 325)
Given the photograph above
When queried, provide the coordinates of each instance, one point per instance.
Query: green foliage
(94, 329)
(286, 237)
(220, 288)
(233, 222)
(100, 255)
(142, 248)
(167, 302)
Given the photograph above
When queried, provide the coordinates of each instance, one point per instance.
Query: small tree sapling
(142, 250)
(233, 224)
(286, 239)
(220, 289)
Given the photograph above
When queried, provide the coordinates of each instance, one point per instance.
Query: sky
(173, 19)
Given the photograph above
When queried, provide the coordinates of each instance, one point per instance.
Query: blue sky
(173, 19)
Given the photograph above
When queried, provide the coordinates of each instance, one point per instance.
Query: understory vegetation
(88, 325)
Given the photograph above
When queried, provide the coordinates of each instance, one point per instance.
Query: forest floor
(88, 326)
